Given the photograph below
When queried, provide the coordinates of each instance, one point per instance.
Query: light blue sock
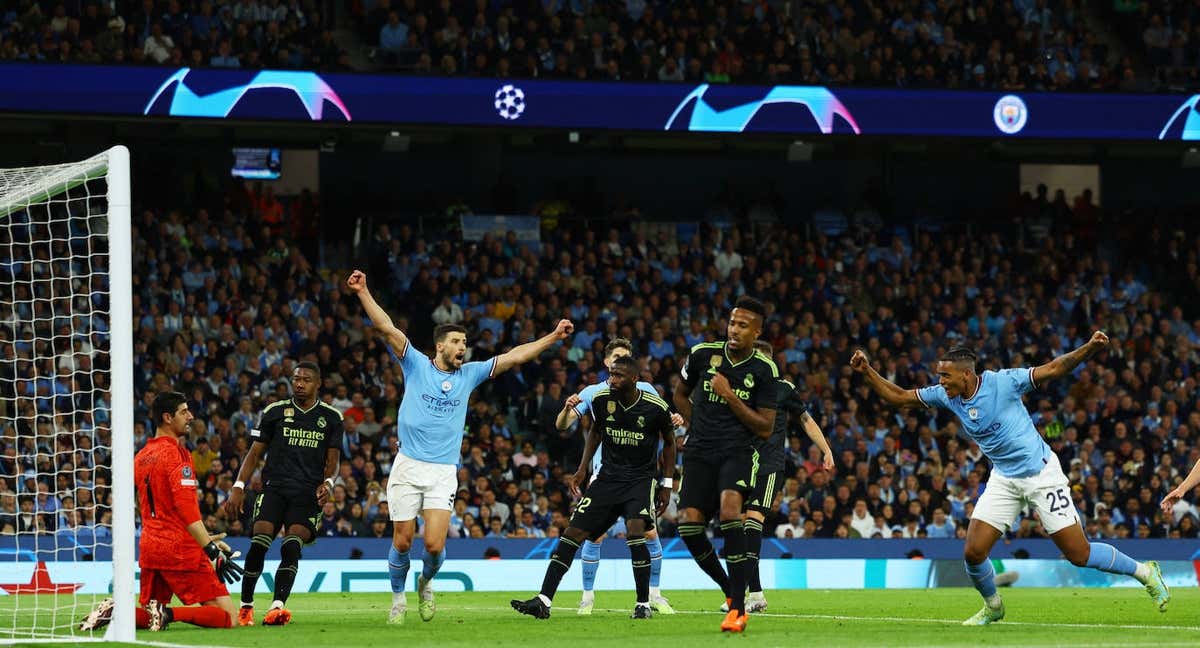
(432, 563)
(591, 563)
(1106, 558)
(655, 548)
(397, 569)
(984, 577)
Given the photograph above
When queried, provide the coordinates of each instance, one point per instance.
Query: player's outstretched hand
(222, 563)
(573, 401)
(1099, 341)
(234, 504)
(859, 361)
(828, 461)
(676, 420)
(357, 282)
(224, 546)
(564, 329)
(1168, 502)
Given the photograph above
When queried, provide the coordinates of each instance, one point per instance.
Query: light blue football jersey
(997, 420)
(433, 411)
(585, 407)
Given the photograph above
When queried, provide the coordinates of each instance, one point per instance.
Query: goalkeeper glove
(222, 563)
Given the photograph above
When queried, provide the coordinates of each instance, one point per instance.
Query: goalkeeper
(177, 556)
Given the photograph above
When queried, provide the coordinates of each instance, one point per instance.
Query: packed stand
(1024, 45)
(234, 34)
(1166, 34)
(225, 304)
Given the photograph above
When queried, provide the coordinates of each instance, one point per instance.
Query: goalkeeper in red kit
(177, 556)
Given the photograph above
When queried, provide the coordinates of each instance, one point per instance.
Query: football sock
(696, 539)
(591, 564)
(735, 562)
(640, 554)
(655, 547)
(432, 563)
(754, 530)
(1106, 558)
(254, 565)
(560, 563)
(984, 577)
(285, 575)
(205, 616)
(397, 570)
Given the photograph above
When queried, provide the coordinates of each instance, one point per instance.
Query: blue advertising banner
(294, 96)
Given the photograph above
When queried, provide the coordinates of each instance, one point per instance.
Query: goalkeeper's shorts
(192, 586)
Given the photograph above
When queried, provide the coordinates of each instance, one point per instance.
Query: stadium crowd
(226, 302)
(979, 44)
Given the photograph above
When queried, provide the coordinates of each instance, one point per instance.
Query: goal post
(66, 395)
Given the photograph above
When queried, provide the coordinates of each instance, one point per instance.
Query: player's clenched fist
(357, 281)
(1099, 341)
(564, 328)
(858, 361)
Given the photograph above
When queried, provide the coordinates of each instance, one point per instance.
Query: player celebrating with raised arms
(579, 407)
(1024, 469)
(430, 423)
(630, 423)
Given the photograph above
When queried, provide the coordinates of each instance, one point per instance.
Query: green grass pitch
(1036, 617)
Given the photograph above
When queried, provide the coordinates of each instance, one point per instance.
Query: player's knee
(730, 512)
(434, 545)
(1078, 557)
(692, 516)
(974, 555)
(401, 542)
(652, 534)
(291, 549)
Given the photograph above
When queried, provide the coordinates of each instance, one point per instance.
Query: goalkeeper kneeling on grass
(177, 556)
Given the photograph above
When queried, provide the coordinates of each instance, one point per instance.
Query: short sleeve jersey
(630, 435)
(297, 441)
(166, 486)
(996, 419)
(585, 407)
(433, 412)
(715, 429)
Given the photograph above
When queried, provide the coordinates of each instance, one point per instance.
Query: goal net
(66, 398)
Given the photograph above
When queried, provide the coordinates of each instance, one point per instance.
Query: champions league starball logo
(1191, 122)
(510, 102)
(822, 105)
(311, 90)
(1010, 114)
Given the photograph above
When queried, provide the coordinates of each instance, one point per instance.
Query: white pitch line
(841, 617)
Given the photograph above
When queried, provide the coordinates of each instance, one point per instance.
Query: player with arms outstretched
(430, 423)
(734, 407)
(630, 423)
(176, 555)
(1024, 469)
(579, 407)
(302, 439)
(769, 482)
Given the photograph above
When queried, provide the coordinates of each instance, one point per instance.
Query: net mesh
(55, 488)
